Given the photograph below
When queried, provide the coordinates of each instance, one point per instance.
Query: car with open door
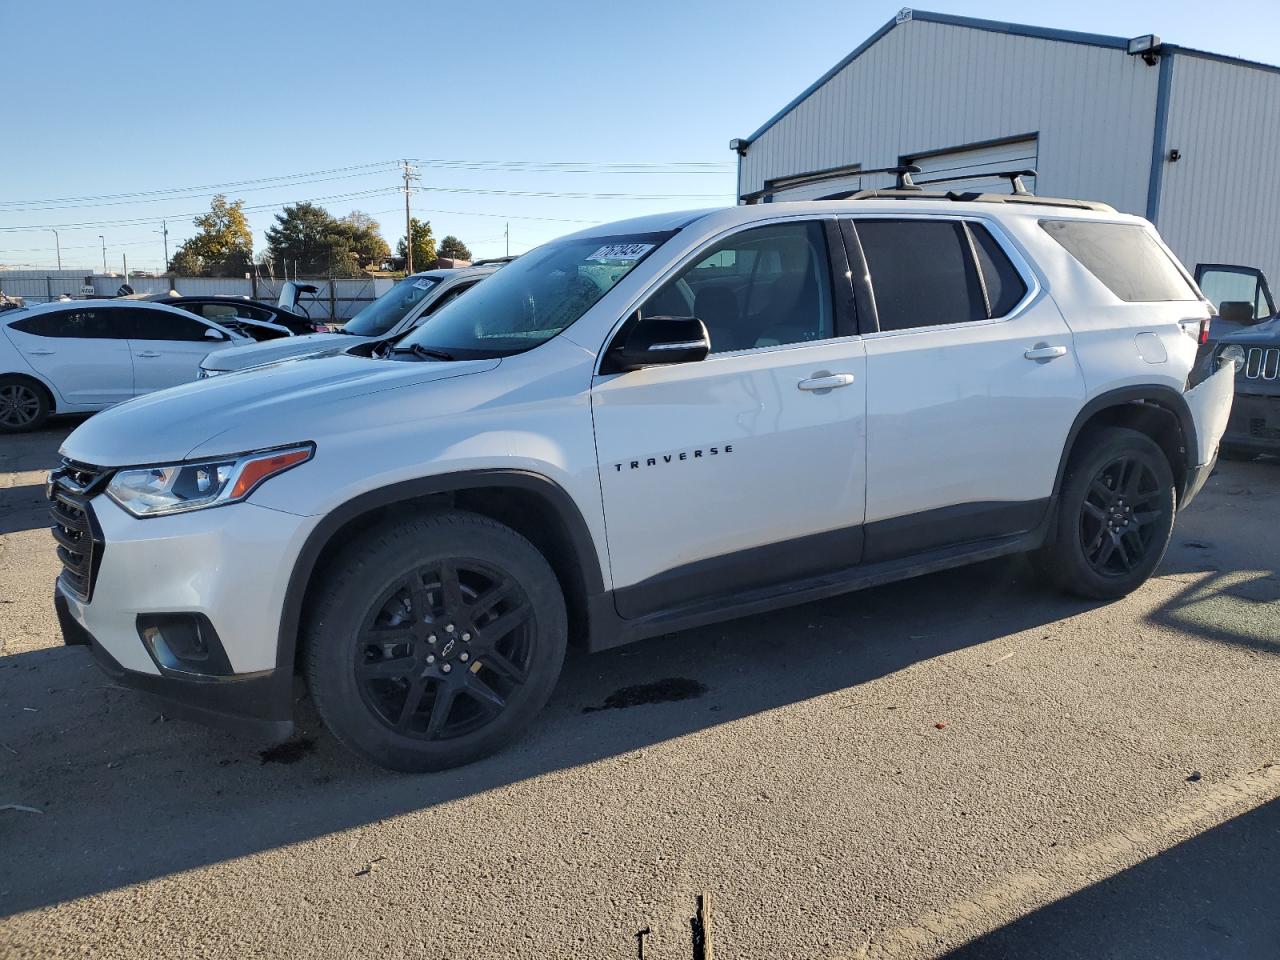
(80, 356)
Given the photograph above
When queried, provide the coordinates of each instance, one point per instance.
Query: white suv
(636, 429)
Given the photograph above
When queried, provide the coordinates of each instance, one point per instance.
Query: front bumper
(226, 568)
(259, 706)
(1255, 423)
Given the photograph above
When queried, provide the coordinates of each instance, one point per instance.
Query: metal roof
(995, 26)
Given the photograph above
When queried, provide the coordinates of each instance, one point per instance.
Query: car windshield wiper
(424, 353)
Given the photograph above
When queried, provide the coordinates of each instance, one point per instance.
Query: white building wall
(926, 86)
(1220, 203)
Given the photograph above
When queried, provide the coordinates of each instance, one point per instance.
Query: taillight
(1204, 331)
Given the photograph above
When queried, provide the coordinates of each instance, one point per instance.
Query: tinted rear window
(1005, 288)
(1125, 257)
(922, 273)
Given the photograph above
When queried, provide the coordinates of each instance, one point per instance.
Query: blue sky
(135, 97)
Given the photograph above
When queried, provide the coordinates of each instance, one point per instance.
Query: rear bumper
(258, 705)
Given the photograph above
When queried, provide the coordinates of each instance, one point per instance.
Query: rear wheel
(24, 405)
(1115, 515)
(436, 641)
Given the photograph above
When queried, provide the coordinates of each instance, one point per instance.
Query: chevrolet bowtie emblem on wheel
(447, 647)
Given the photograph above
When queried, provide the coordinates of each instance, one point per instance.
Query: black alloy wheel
(442, 653)
(433, 639)
(1120, 516)
(1114, 515)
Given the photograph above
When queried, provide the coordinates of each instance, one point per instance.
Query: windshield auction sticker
(423, 284)
(620, 252)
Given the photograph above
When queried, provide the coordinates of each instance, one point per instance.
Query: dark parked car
(1254, 426)
(220, 309)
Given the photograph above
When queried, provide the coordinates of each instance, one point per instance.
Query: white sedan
(78, 356)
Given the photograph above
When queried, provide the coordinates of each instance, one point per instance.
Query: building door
(980, 162)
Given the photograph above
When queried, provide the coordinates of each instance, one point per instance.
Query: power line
(206, 186)
(134, 221)
(362, 169)
(188, 196)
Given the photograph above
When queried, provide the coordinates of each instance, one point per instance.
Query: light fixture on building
(739, 146)
(1147, 47)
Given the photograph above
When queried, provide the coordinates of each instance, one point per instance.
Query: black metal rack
(906, 188)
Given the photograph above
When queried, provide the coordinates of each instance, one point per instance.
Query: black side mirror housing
(655, 341)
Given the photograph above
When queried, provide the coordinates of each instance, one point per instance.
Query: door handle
(149, 354)
(827, 381)
(1044, 351)
(40, 353)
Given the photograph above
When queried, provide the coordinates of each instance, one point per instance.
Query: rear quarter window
(1125, 257)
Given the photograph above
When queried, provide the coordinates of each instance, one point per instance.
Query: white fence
(335, 299)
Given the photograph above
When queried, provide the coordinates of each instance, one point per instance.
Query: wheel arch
(1159, 411)
(535, 506)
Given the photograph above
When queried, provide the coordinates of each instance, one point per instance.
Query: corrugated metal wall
(927, 86)
(1220, 203)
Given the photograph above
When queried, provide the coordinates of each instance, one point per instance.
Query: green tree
(321, 245)
(222, 248)
(454, 249)
(424, 245)
(364, 239)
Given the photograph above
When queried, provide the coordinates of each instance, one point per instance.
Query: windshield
(531, 300)
(389, 309)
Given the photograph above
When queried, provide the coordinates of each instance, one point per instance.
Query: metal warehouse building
(1191, 140)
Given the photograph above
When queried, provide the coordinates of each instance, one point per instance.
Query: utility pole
(57, 244)
(164, 229)
(409, 175)
(104, 253)
(507, 234)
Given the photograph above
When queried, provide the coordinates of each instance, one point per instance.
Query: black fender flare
(304, 566)
(1162, 397)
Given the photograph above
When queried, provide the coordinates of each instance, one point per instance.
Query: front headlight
(1232, 353)
(181, 487)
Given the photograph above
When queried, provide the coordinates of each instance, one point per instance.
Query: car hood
(277, 405)
(273, 351)
(1267, 332)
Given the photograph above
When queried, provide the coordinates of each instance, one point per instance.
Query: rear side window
(922, 272)
(100, 324)
(1125, 257)
(1005, 286)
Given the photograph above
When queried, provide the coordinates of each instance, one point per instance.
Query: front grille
(1262, 363)
(80, 545)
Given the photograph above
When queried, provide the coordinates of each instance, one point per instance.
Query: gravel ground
(890, 773)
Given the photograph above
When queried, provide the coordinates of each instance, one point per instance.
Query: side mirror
(212, 334)
(654, 341)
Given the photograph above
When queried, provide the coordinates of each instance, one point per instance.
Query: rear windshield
(1125, 257)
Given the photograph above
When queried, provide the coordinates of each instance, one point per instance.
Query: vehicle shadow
(1191, 901)
(126, 797)
(23, 508)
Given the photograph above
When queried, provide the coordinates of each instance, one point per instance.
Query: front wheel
(1115, 516)
(435, 641)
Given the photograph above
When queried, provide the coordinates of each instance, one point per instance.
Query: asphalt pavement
(965, 764)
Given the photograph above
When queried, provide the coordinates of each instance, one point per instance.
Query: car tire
(24, 404)
(1114, 516)
(435, 640)
(1235, 453)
